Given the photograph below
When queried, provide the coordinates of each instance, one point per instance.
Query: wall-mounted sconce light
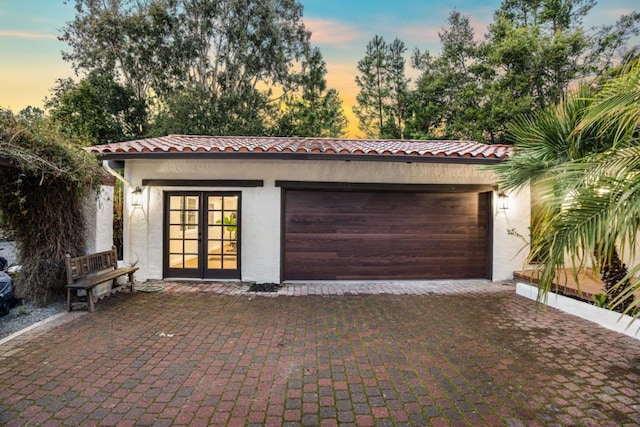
(503, 201)
(136, 197)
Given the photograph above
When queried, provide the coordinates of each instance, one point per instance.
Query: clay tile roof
(295, 146)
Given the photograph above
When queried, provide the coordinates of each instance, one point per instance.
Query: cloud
(428, 36)
(616, 13)
(26, 35)
(341, 76)
(421, 35)
(335, 33)
(480, 29)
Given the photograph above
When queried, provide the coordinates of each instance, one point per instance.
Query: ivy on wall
(44, 176)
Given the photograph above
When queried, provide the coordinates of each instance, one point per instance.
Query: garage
(388, 234)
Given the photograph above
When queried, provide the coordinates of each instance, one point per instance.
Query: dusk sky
(31, 60)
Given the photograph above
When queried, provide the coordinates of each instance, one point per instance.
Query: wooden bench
(88, 271)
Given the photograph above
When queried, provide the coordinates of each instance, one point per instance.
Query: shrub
(45, 176)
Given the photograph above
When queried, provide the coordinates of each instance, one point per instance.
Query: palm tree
(615, 111)
(583, 159)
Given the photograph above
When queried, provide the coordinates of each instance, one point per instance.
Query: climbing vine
(45, 177)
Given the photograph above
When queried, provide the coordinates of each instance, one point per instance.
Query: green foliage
(373, 93)
(118, 216)
(426, 105)
(383, 96)
(540, 47)
(131, 40)
(97, 108)
(195, 110)
(230, 223)
(450, 97)
(600, 300)
(312, 110)
(533, 52)
(398, 90)
(203, 67)
(31, 115)
(23, 310)
(232, 67)
(45, 176)
(514, 232)
(582, 157)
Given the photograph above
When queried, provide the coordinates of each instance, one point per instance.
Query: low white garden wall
(605, 318)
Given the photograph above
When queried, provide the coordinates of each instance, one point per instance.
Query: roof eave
(400, 158)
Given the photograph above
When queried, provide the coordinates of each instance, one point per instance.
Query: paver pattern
(449, 353)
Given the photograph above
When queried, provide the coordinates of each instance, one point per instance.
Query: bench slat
(91, 281)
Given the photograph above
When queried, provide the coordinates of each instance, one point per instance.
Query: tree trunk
(612, 271)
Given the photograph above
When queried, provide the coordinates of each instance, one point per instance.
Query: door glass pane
(231, 203)
(191, 218)
(214, 262)
(229, 233)
(191, 261)
(176, 202)
(176, 232)
(215, 203)
(214, 247)
(175, 217)
(215, 217)
(175, 246)
(215, 232)
(229, 247)
(191, 246)
(191, 202)
(183, 231)
(230, 262)
(175, 261)
(222, 232)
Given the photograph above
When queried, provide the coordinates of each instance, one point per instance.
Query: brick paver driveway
(470, 353)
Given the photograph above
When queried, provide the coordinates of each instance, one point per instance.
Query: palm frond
(616, 106)
(583, 159)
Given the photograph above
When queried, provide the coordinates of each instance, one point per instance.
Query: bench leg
(131, 289)
(90, 300)
(68, 299)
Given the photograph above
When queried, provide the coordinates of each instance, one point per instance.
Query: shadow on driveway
(191, 356)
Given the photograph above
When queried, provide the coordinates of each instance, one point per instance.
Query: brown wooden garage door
(333, 235)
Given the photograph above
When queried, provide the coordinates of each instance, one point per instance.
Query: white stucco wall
(99, 220)
(510, 251)
(260, 227)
